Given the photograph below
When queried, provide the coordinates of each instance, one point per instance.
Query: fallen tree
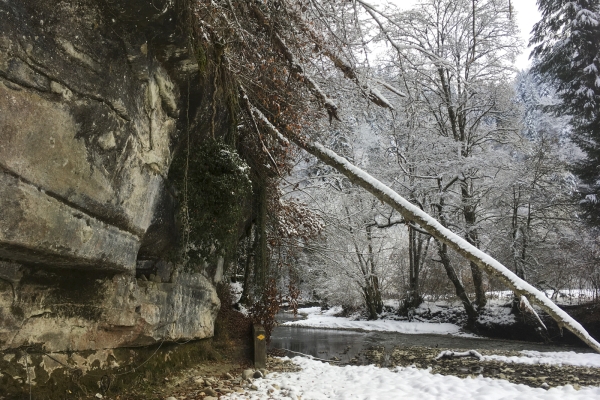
(412, 213)
(429, 224)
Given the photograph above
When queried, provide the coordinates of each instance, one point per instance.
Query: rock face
(86, 311)
(93, 97)
(87, 116)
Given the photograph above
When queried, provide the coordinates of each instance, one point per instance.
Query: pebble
(199, 380)
(253, 387)
(171, 398)
(98, 396)
(210, 392)
(258, 374)
(209, 381)
(247, 374)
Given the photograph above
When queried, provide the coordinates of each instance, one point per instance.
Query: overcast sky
(527, 14)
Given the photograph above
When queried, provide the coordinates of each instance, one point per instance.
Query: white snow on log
(380, 97)
(525, 306)
(258, 114)
(459, 354)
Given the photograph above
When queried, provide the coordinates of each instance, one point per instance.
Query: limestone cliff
(94, 96)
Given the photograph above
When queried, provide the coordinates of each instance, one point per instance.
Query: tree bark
(415, 247)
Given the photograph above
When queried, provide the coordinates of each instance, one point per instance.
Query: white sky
(527, 15)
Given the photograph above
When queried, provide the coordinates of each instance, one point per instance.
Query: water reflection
(345, 345)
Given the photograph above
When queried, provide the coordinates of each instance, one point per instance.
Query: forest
(428, 101)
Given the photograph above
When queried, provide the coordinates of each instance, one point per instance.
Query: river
(346, 345)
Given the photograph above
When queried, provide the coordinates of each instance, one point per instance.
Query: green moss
(202, 60)
(215, 194)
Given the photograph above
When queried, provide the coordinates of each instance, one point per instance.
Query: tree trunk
(472, 314)
(415, 245)
(472, 237)
(371, 290)
(372, 296)
(458, 286)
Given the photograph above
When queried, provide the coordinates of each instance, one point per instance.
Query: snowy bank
(590, 360)
(327, 319)
(319, 380)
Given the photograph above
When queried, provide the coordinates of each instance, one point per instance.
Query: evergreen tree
(567, 50)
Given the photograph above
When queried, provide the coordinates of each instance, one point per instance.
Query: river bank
(370, 364)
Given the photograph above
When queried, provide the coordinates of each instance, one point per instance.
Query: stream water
(346, 345)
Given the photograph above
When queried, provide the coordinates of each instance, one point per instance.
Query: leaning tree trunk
(472, 314)
(410, 212)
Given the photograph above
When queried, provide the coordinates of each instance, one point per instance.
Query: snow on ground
(327, 319)
(555, 357)
(319, 380)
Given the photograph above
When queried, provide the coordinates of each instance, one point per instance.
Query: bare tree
(457, 52)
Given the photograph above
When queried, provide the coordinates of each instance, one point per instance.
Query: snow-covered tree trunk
(410, 212)
(413, 213)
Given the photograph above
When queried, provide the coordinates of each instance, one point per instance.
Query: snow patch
(327, 319)
(590, 360)
(319, 380)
